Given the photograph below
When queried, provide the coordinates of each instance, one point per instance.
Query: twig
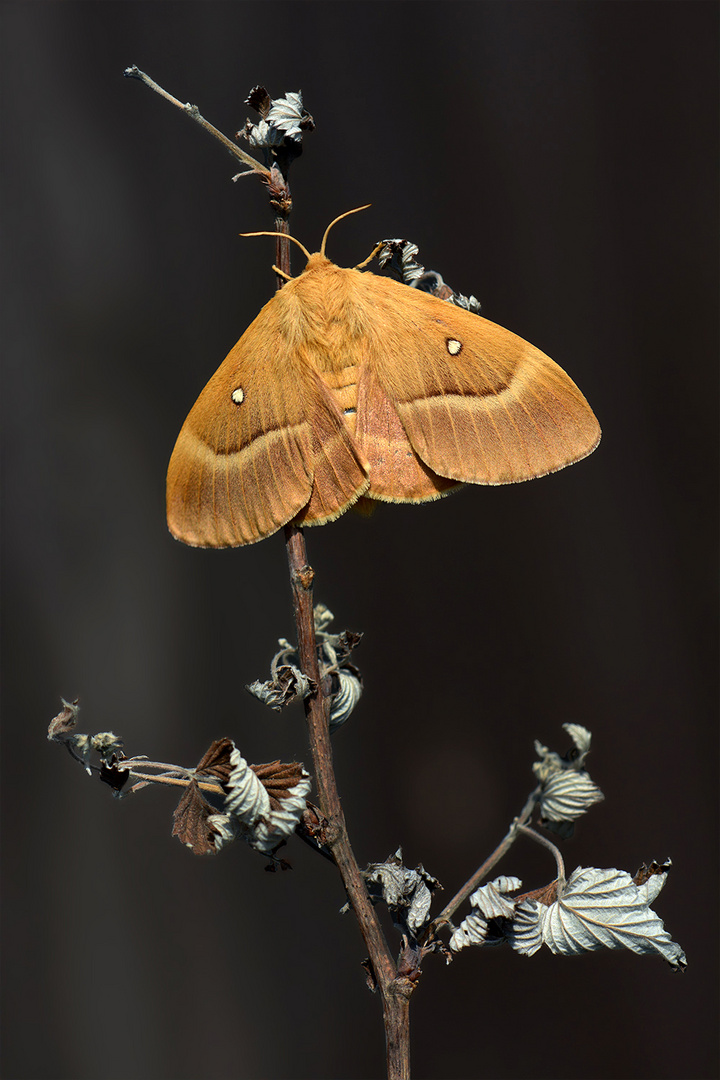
(194, 113)
(501, 850)
(544, 842)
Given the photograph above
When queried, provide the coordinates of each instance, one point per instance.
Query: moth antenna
(370, 257)
(346, 214)
(285, 236)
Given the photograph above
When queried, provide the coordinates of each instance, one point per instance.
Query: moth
(349, 386)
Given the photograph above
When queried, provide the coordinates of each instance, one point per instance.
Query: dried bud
(62, 725)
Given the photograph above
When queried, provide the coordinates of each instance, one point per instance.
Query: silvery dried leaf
(247, 798)
(322, 617)
(567, 795)
(567, 791)
(552, 762)
(225, 828)
(263, 134)
(407, 893)
(346, 697)
(400, 254)
(469, 303)
(267, 800)
(598, 909)
(489, 902)
(289, 116)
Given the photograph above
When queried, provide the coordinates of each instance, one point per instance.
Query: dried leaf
(407, 893)
(552, 762)
(259, 100)
(288, 684)
(215, 761)
(403, 265)
(224, 827)
(191, 825)
(567, 796)
(567, 791)
(113, 773)
(289, 116)
(346, 696)
(267, 800)
(489, 902)
(598, 909)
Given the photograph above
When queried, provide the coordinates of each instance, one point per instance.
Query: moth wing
(397, 473)
(263, 444)
(478, 403)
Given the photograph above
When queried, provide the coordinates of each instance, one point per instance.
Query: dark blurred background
(559, 161)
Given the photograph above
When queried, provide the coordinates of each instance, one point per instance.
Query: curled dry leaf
(267, 800)
(400, 254)
(407, 893)
(281, 118)
(489, 902)
(287, 685)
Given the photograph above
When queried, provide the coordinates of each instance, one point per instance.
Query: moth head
(319, 256)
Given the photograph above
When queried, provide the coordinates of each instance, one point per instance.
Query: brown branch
(396, 991)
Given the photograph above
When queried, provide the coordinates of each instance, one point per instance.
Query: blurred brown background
(559, 161)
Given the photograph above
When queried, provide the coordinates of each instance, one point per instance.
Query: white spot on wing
(238, 395)
(453, 346)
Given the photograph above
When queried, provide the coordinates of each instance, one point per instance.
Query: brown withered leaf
(191, 821)
(277, 777)
(259, 100)
(348, 640)
(216, 760)
(646, 872)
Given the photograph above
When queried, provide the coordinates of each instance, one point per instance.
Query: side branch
(194, 113)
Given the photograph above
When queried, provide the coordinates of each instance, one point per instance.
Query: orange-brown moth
(348, 384)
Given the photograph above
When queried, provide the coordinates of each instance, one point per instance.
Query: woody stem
(395, 991)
